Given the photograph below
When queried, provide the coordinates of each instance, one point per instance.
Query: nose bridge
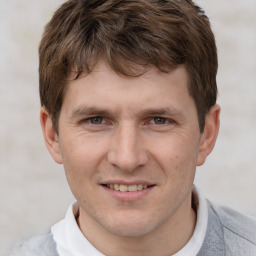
(128, 139)
(127, 149)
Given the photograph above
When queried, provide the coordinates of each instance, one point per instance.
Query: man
(128, 93)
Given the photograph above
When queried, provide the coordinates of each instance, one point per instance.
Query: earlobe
(209, 136)
(50, 136)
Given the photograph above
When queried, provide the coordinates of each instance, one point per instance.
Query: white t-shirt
(71, 241)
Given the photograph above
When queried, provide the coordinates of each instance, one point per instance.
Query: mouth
(127, 188)
(129, 191)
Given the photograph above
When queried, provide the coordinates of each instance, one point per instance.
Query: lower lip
(129, 196)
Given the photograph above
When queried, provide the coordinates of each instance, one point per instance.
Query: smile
(128, 192)
(127, 188)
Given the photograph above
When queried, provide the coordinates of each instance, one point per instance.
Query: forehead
(104, 88)
(102, 74)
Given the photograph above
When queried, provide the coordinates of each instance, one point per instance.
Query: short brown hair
(150, 33)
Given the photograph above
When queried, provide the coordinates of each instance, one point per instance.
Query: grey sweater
(229, 233)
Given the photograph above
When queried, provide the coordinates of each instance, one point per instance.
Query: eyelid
(88, 119)
(95, 117)
(105, 120)
(168, 120)
(148, 120)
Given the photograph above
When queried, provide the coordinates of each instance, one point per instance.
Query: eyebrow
(87, 111)
(160, 111)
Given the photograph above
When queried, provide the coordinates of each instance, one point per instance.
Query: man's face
(136, 134)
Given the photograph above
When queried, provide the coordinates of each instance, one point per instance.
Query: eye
(95, 120)
(95, 123)
(160, 120)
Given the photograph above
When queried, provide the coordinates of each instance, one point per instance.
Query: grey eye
(96, 120)
(159, 120)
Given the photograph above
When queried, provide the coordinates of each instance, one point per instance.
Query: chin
(130, 226)
(128, 231)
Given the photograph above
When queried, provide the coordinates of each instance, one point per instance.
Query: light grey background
(33, 190)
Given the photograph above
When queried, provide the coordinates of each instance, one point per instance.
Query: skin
(114, 129)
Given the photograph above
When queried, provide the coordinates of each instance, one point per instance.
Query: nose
(126, 150)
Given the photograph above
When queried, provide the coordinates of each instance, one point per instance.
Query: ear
(50, 136)
(209, 136)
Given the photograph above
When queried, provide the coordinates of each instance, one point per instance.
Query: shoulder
(239, 230)
(38, 245)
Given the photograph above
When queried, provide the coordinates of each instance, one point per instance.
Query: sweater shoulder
(239, 231)
(37, 245)
(237, 223)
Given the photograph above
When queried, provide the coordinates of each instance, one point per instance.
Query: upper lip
(127, 183)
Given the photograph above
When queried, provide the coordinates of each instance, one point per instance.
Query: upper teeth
(125, 188)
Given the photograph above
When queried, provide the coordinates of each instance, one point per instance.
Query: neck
(167, 239)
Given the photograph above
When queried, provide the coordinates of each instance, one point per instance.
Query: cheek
(81, 162)
(81, 158)
(177, 156)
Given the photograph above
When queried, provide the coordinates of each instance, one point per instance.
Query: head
(132, 37)
(128, 95)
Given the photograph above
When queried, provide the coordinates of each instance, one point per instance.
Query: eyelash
(101, 120)
(89, 120)
(158, 120)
